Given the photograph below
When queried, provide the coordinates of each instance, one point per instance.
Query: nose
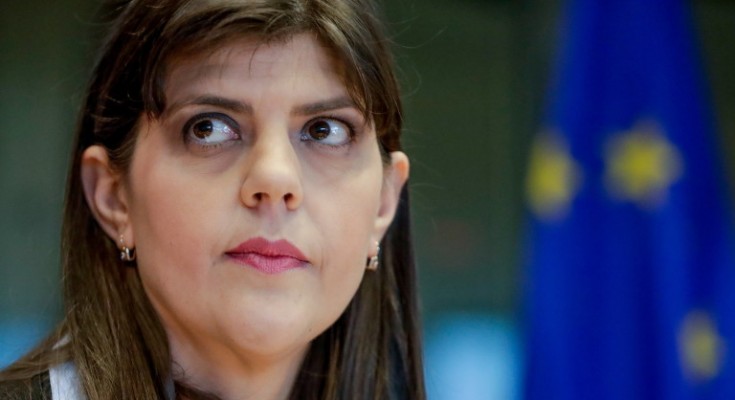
(273, 174)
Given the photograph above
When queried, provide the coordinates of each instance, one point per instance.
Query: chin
(272, 334)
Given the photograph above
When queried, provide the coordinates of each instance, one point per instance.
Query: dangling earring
(372, 263)
(126, 254)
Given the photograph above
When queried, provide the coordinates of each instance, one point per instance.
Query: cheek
(345, 210)
(166, 215)
(174, 219)
(345, 215)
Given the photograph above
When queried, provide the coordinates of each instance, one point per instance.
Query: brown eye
(328, 131)
(211, 129)
(203, 129)
(319, 130)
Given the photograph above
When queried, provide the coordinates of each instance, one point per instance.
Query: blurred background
(483, 81)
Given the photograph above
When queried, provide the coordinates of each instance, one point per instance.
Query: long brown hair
(110, 330)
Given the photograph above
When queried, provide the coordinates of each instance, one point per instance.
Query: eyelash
(185, 131)
(214, 116)
(352, 132)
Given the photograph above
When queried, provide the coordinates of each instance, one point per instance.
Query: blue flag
(630, 285)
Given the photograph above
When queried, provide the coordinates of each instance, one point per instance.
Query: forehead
(300, 56)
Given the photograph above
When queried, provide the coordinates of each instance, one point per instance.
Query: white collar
(64, 382)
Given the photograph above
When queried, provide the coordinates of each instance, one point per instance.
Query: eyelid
(350, 125)
(346, 124)
(230, 122)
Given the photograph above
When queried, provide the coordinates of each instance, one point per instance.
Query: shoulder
(35, 388)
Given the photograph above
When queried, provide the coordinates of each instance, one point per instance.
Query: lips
(267, 256)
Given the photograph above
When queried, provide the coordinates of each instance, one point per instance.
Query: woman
(236, 222)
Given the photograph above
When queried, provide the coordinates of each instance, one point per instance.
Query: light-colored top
(64, 382)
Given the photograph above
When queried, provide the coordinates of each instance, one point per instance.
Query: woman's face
(254, 201)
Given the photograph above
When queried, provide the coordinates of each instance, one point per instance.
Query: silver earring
(373, 263)
(126, 253)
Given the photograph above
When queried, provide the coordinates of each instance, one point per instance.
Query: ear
(395, 176)
(105, 195)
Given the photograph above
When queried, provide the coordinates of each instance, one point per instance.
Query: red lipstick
(268, 257)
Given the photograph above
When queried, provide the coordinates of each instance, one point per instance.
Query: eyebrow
(216, 101)
(323, 106)
(245, 108)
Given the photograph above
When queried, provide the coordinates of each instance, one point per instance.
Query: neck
(219, 374)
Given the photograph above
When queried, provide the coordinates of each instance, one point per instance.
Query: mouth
(269, 257)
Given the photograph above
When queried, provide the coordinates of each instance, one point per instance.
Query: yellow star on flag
(641, 165)
(702, 350)
(553, 177)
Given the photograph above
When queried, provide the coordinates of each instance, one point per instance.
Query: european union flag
(631, 278)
